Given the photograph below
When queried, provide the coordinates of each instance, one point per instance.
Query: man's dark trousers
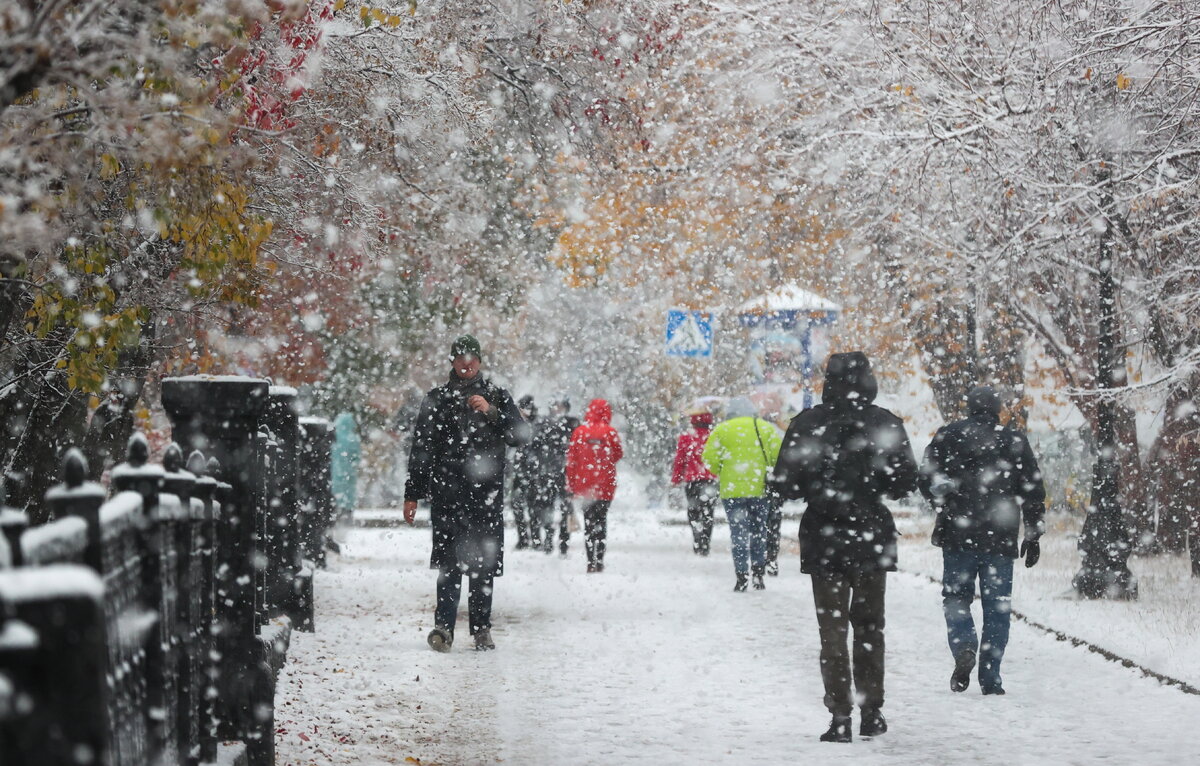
(995, 574)
(479, 601)
(853, 599)
(595, 528)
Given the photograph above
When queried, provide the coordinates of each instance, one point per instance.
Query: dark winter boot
(839, 730)
(483, 641)
(742, 581)
(772, 568)
(440, 639)
(995, 688)
(964, 663)
(872, 724)
(757, 577)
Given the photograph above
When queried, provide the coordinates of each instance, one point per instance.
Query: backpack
(848, 472)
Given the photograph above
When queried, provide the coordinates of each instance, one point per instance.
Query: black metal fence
(146, 624)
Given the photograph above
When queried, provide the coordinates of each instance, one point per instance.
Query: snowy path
(657, 661)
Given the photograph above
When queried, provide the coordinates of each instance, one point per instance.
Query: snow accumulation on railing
(108, 614)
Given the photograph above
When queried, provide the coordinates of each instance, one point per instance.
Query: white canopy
(788, 298)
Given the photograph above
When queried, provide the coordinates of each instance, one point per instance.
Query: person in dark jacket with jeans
(982, 478)
(457, 462)
(842, 458)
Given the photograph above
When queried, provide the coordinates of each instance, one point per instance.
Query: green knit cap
(464, 345)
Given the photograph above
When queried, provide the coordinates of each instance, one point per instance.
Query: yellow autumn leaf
(109, 167)
(1124, 81)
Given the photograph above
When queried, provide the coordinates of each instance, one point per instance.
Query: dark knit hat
(466, 345)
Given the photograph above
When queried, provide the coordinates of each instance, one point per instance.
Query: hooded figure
(524, 486)
(842, 458)
(457, 463)
(982, 478)
(344, 467)
(592, 459)
(699, 483)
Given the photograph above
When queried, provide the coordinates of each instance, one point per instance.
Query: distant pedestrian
(551, 441)
(523, 496)
(347, 452)
(740, 452)
(699, 484)
(592, 458)
(842, 458)
(982, 478)
(457, 462)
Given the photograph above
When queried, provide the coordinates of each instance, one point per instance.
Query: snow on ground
(657, 661)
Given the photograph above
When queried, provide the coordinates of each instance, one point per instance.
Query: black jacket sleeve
(1030, 489)
(932, 465)
(900, 476)
(420, 454)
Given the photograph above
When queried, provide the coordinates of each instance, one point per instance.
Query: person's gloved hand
(1031, 551)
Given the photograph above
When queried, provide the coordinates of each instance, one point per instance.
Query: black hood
(983, 400)
(848, 379)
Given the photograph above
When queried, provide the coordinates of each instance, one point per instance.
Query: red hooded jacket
(688, 464)
(593, 453)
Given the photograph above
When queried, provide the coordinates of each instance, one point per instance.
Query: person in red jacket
(698, 482)
(592, 459)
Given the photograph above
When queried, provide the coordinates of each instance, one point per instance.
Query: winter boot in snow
(839, 730)
(772, 568)
(483, 641)
(872, 723)
(743, 580)
(440, 639)
(964, 663)
(995, 688)
(758, 579)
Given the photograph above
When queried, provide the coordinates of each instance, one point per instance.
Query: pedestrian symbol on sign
(689, 333)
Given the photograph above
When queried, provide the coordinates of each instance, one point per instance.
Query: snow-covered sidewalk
(657, 661)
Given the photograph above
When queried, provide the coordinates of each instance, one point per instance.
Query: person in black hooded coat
(843, 457)
(982, 478)
(457, 462)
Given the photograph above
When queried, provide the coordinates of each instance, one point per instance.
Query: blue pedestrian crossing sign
(689, 333)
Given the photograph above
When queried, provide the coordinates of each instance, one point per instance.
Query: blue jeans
(748, 529)
(995, 574)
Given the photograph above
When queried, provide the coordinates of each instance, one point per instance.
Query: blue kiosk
(789, 333)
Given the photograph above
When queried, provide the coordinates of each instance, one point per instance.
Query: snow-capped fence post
(189, 618)
(53, 662)
(204, 490)
(78, 497)
(159, 592)
(317, 489)
(293, 585)
(13, 524)
(221, 415)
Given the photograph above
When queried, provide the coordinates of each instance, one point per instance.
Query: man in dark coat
(550, 454)
(842, 458)
(457, 463)
(525, 490)
(982, 478)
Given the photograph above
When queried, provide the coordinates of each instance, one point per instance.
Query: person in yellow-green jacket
(740, 452)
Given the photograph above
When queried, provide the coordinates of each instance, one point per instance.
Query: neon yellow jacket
(734, 455)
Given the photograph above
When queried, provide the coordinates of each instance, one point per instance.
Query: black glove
(1031, 551)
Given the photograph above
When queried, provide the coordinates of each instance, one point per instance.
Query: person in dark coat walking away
(982, 478)
(843, 457)
(457, 462)
(592, 460)
(699, 483)
(550, 443)
(524, 487)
